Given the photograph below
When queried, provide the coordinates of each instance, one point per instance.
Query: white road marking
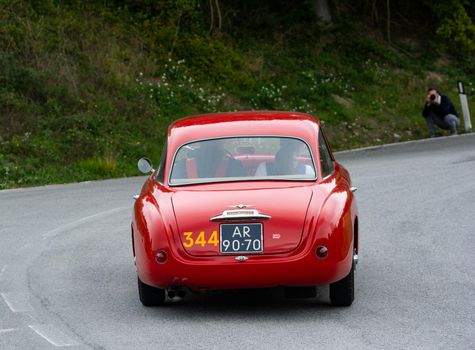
(7, 330)
(79, 222)
(53, 335)
(2, 271)
(17, 302)
(33, 318)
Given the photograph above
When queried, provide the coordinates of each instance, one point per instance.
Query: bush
(456, 31)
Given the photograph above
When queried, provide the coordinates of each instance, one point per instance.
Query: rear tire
(151, 296)
(342, 293)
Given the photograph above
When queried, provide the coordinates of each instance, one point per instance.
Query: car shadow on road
(247, 303)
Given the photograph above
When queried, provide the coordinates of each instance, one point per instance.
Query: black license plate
(241, 238)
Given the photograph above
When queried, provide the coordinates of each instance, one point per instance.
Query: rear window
(242, 159)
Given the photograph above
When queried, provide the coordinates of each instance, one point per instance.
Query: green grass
(84, 96)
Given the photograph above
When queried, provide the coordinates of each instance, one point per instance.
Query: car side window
(161, 167)
(326, 161)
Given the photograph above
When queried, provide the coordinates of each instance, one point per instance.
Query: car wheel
(151, 296)
(342, 293)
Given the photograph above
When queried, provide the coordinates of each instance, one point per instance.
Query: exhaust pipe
(355, 259)
(176, 292)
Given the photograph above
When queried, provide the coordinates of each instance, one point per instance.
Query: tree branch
(219, 14)
(388, 21)
(211, 25)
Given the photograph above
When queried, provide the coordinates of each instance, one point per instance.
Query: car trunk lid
(208, 219)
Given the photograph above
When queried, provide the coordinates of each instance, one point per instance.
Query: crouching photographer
(439, 110)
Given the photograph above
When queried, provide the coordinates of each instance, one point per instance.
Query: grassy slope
(83, 96)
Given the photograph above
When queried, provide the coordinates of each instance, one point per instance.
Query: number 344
(200, 239)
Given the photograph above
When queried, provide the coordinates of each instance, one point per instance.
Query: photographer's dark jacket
(445, 107)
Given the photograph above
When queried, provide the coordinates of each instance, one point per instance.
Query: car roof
(249, 123)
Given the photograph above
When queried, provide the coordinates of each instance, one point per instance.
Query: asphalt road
(67, 276)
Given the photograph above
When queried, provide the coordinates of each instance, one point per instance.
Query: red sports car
(245, 200)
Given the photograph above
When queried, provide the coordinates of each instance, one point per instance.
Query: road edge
(399, 144)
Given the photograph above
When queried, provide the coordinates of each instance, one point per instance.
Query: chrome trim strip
(353, 189)
(240, 215)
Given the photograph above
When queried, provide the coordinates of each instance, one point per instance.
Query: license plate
(240, 238)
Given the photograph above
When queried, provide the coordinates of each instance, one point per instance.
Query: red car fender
(334, 228)
(149, 232)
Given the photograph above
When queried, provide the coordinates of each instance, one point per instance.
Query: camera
(432, 97)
